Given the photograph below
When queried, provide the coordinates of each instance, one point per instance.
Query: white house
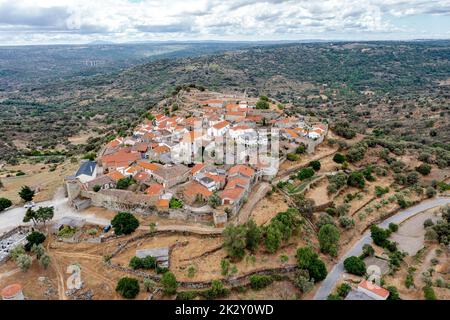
(219, 129)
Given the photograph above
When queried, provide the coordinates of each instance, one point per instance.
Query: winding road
(327, 285)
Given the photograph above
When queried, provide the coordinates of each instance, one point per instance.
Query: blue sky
(82, 21)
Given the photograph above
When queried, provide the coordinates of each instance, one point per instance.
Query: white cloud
(121, 20)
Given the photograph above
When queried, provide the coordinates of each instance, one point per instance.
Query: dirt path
(59, 273)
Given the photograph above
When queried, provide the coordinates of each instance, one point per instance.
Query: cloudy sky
(81, 21)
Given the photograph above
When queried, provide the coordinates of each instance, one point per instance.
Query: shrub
(379, 191)
(324, 219)
(96, 188)
(355, 265)
(149, 284)
(424, 169)
(333, 296)
(346, 222)
(169, 283)
(224, 266)
(44, 261)
(292, 157)
(315, 165)
(412, 178)
(428, 293)
(24, 261)
(308, 260)
(328, 239)
(38, 250)
(303, 282)
(393, 227)
(16, 252)
(339, 158)
(430, 192)
(368, 251)
(217, 290)
(356, 179)
(186, 295)
(5, 204)
(300, 149)
(175, 203)
(124, 223)
(428, 223)
(67, 232)
(128, 287)
(258, 282)
(305, 173)
(343, 129)
(393, 293)
(124, 183)
(343, 290)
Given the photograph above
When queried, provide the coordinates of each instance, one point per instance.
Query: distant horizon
(305, 41)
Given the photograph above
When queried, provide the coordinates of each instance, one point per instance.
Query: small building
(68, 221)
(372, 290)
(160, 254)
(87, 171)
(12, 292)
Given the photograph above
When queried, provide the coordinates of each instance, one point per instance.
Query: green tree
(355, 265)
(379, 235)
(214, 200)
(128, 287)
(393, 293)
(235, 241)
(272, 239)
(261, 104)
(328, 239)
(97, 188)
(44, 214)
(339, 158)
(308, 260)
(258, 282)
(253, 235)
(124, 183)
(304, 205)
(343, 290)
(169, 283)
(34, 238)
(356, 179)
(305, 173)
(315, 165)
(124, 223)
(5, 204)
(175, 203)
(30, 215)
(26, 193)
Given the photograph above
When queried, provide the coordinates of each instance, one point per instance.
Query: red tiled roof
(233, 194)
(233, 182)
(161, 149)
(154, 189)
(197, 167)
(141, 176)
(192, 189)
(221, 125)
(374, 288)
(162, 203)
(242, 169)
(11, 290)
(116, 175)
(148, 165)
(215, 177)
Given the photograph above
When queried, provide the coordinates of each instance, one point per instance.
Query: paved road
(335, 274)
(10, 219)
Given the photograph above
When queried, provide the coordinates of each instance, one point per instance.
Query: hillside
(401, 88)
